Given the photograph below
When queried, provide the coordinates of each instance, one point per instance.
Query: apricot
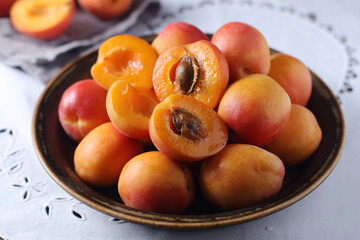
(256, 108)
(299, 139)
(101, 155)
(185, 129)
(130, 109)
(125, 57)
(293, 76)
(153, 182)
(245, 49)
(42, 19)
(177, 33)
(106, 9)
(241, 175)
(82, 108)
(5, 6)
(198, 70)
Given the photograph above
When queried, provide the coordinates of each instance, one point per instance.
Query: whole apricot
(245, 49)
(177, 33)
(256, 108)
(241, 175)
(153, 182)
(293, 76)
(101, 155)
(82, 108)
(299, 139)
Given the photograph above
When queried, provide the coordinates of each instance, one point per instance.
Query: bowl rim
(182, 221)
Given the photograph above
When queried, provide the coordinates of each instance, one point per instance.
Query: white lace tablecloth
(324, 34)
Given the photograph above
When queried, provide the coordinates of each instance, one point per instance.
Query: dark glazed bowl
(55, 151)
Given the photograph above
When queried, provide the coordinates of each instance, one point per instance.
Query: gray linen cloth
(42, 59)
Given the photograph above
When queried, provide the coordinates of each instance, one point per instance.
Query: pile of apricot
(223, 114)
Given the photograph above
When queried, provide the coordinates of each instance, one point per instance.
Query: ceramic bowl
(55, 151)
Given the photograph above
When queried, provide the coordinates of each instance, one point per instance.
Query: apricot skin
(299, 139)
(245, 49)
(293, 76)
(256, 108)
(153, 182)
(101, 155)
(177, 33)
(241, 175)
(82, 108)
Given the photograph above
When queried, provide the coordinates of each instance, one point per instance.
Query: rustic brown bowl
(55, 151)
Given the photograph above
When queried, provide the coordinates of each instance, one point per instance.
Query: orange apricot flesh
(185, 129)
(130, 109)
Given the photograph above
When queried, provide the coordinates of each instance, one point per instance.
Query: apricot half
(185, 129)
(130, 109)
(198, 70)
(42, 19)
(125, 57)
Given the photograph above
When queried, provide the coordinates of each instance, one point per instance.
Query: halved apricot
(125, 57)
(130, 109)
(198, 70)
(186, 129)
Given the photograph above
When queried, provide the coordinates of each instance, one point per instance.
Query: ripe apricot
(101, 155)
(241, 175)
(125, 57)
(153, 182)
(256, 108)
(198, 70)
(130, 109)
(177, 33)
(299, 139)
(185, 129)
(293, 76)
(245, 49)
(42, 19)
(82, 108)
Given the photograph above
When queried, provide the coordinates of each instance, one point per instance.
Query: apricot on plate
(130, 109)
(42, 19)
(198, 70)
(241, 175)
(125, 57)
(185, 129)
(293, 76)
(153, 182)
(82, 108)
(299, 139)
(101, 155)
(245, 49)
(256, 108)
(177, 33)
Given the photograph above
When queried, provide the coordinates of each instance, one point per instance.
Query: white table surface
(325, 35)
